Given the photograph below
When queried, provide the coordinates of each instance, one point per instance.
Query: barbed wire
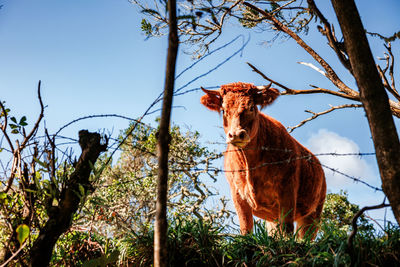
(307, 157)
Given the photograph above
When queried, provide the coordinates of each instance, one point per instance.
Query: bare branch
(289, 91)
(3, 127)
(386, 83)
(329, 32)
(316, 115)
(330, 73)
(313, 67)
(350, 246)
(14, 255)
(36, 126)
(389, 49)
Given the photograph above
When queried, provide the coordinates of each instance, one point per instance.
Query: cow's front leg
(244, 213)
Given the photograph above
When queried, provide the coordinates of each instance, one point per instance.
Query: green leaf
(22, 233)
(146, 27)
(41, 163)
(14, 119)
(81, 190)
(15, 131)
(23, 119)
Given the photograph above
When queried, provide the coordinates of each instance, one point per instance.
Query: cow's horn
(264, 87)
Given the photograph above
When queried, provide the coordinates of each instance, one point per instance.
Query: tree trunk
(61, 217)
(161, 225)
(374, 98)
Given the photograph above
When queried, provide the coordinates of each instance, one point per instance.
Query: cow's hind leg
(308, 225)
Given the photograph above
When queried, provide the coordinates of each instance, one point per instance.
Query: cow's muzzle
(239, 138)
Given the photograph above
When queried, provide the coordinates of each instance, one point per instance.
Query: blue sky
(93, 58)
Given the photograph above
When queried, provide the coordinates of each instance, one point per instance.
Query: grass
(198, 243)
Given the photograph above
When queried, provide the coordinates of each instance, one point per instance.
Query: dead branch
(16, 164)
(350, 246)
(330, 73)
(313, 67)
(60, 219)
(289, 91)
(3, 127)
(386, 83)
(329, 32)
(316, 115)
(389, 49)
(344, 90)
(36, 126)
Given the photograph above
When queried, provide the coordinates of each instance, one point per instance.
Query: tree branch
(350, 246)
(330, 73)
(316, 115)
(4, 127)
(289, 91)
(36, 126)
(330, 35)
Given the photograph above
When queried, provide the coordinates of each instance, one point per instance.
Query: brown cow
(271, 175)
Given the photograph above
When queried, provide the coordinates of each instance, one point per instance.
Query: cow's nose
(242, 134)
(238, 135)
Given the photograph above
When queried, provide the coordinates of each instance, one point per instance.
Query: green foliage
(22, 233)
(193, 242)
(17, 126)
(76, 248)
(339, 212)
(146, 27)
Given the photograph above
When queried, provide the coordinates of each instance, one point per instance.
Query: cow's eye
(222, 110)
(251, 109)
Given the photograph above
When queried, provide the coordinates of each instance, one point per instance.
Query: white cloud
(353, 165)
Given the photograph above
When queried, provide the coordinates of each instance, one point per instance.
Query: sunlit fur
(272, 176)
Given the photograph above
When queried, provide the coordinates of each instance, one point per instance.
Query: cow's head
(238, 104)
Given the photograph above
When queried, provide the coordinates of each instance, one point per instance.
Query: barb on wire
(92, 117)
(291, 159)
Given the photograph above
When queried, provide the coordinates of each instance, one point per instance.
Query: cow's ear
(265, 95)
(212, 99)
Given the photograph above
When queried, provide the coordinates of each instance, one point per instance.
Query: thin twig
(317, 114)
(4, 127)
(313, 67)
(14, 255)
(36, 126)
